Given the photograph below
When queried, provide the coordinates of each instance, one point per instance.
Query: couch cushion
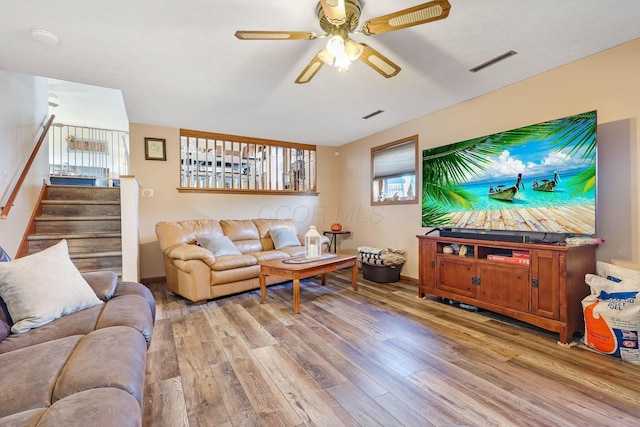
(270, 255)
(135, 288)
(219, 246)
(239, 229)
(28, 376)
(172, 233)
(79, 323)
(128, 310)
(264, 224)
(42, 287)
(103, 283)
(97, 407)
(24, 419)
(283, 237)
(131, 305)
(235, 261)
(111, 357)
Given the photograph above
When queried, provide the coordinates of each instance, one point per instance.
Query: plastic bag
(612, 312)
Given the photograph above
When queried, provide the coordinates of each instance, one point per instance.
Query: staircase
(88, 218)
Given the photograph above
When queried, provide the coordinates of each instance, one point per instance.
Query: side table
(333, 238)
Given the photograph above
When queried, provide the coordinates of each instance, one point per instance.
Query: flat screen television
(536, 180)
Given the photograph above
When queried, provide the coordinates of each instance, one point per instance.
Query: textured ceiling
(178, 64)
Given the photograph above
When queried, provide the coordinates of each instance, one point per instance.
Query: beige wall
(23, 108)
(607, 82)
(167, 204)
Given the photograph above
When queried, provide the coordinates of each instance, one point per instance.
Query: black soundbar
(497, 237)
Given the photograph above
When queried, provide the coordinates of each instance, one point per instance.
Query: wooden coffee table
(296, 272)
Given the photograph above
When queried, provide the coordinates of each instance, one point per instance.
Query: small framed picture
(155, 149)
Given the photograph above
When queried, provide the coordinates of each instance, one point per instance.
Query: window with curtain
(393, 172)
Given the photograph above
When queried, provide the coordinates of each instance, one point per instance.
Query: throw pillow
(219, 246)
(42, 287)
(283, 237)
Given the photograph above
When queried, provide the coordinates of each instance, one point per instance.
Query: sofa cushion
(135, 288)
(131, 305)
(103, 283)
(239, 229)
(42, 287)
(235, 261)
(79, 323)
(128, 310)
(172, 233)
(265, 224)
(112, 357)
(105, 406)
(263, 256)
(28, 376)
(25, 418)
(283, 237)
(219, 246)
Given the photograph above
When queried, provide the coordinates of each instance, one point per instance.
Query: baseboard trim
(149, 280)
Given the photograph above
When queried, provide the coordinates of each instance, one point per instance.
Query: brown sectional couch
(83, 369)
(197, 275)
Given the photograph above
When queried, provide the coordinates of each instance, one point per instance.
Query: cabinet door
(427, 265)
(455, 274)
(504, 285)
(545, 284)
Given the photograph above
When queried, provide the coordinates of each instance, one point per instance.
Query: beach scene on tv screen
(537, 178)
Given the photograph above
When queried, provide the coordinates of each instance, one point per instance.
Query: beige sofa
(193, 271)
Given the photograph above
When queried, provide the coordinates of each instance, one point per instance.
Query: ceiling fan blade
(378, 62)
(421, 14)
(310, 70)
(334, 11)
(275, 35)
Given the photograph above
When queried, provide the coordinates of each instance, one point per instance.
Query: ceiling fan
(339, 18)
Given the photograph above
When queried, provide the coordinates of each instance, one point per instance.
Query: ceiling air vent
(375, 113)
(493, 61)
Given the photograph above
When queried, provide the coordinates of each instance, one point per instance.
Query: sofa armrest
(186, 252)
(103, 283)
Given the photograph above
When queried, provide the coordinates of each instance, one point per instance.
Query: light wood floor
(380, 356)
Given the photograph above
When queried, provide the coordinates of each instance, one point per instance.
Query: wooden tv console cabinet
(546, 293)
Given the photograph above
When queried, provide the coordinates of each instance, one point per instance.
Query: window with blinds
(236, 164)
(393, 172)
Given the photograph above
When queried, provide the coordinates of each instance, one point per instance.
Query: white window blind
(398, 160)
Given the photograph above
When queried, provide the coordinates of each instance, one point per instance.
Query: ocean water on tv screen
(528, 198)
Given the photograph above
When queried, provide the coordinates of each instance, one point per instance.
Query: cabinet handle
(475, 280)
(433, 264)
(534, 283)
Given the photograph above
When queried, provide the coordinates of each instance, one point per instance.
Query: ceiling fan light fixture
(353, 50)
(335, 45)
(342, 62)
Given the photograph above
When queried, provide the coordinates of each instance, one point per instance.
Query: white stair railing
(85, 152)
